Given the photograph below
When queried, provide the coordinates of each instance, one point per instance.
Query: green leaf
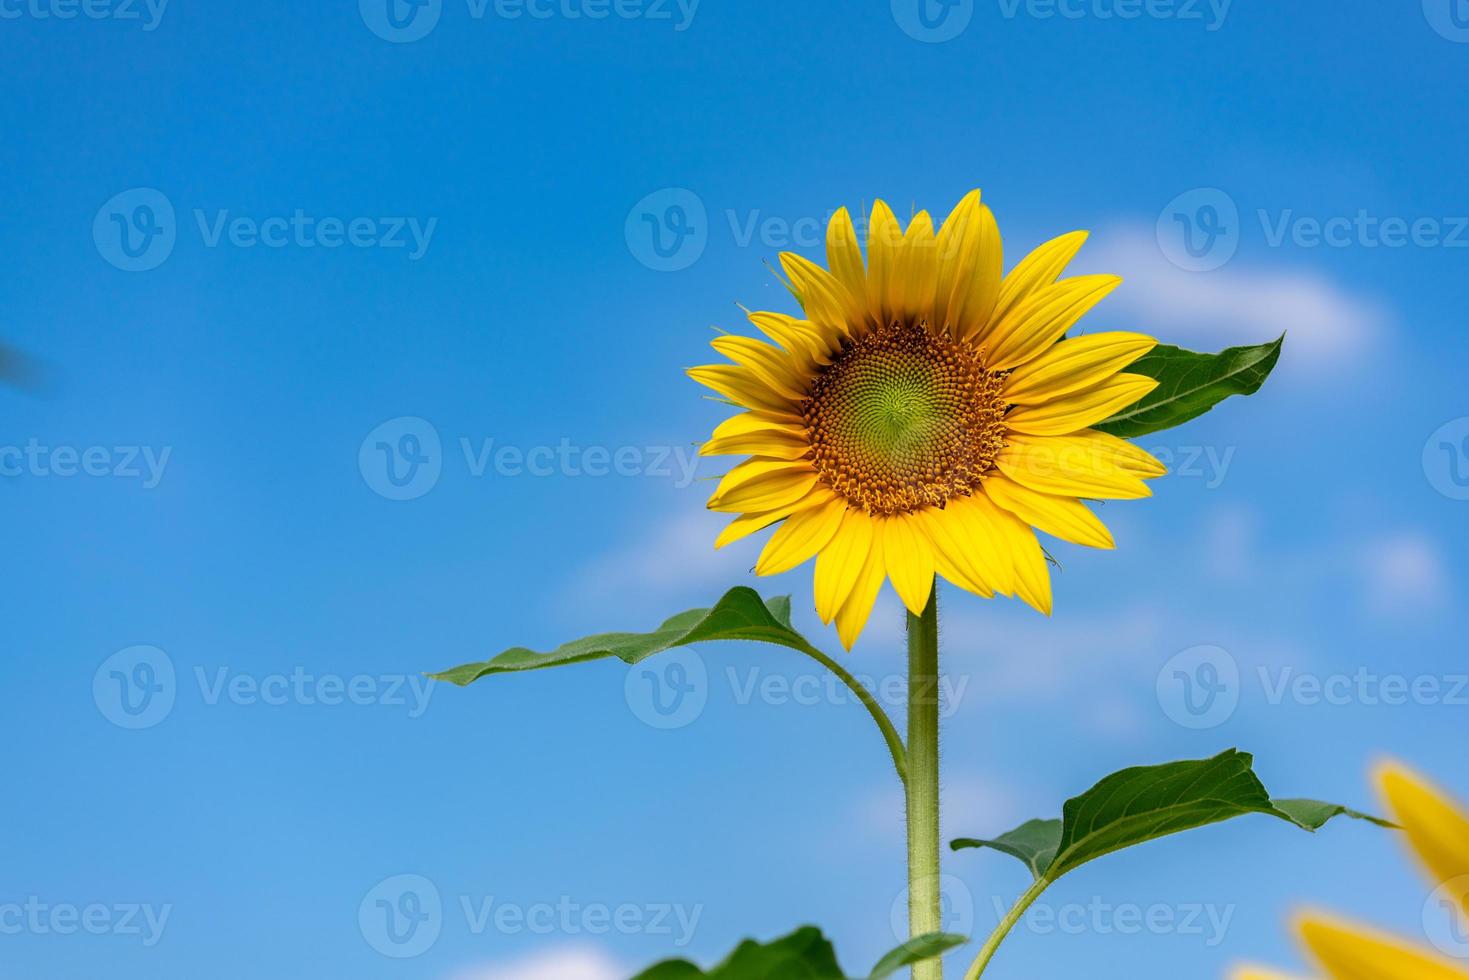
(739, 615)
(1034, 843)
(1148, 802)
(916, 950)
(1189, 384)
(803, 955)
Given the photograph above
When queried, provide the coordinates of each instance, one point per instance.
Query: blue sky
(346, 229)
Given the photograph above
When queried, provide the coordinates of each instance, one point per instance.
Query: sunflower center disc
(903, 420)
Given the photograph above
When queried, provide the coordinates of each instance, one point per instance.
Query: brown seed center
(903, 419)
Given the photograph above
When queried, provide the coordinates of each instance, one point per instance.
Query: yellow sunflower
(926, 415)
(1437, 831)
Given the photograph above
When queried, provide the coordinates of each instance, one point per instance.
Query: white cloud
(575, 963)
(1237, 303)
(672, 556)
(1404, 574)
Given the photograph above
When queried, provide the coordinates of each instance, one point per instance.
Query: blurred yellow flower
(1438, 833)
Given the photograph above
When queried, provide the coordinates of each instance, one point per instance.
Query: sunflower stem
(925, 913)
(992, 944)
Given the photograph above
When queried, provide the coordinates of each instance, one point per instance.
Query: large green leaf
(916, 950)
(803, 955)
(739, 615)
(1189, 384)
(1148, 802)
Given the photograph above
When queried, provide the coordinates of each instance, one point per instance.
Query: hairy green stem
(987, 952)
(925, 913)
(884, 723)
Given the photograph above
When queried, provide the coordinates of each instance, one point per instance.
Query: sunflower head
(925, 415)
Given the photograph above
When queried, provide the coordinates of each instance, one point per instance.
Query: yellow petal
(1249, 972)
(953, 558)
(747, 524)
(1071, 365)
(1074, 412)
(1032, 577)
(853, 615)
(1040, 268)
(911, 289)
(821, 296)
(840, 562)
(800, 537)
(758, 434)
(1064, 517)
(1435, 825)
(742, 387)
(909, 558)
(844, 255)
(971, 266)
(798, 337)
(763, 484)
(1069, 469)
(884, 238)
(1133, 459)
(1041, 319)
(1351, 952)
(777, 369)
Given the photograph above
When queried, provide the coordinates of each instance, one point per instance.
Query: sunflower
(1437, 830)
(926, 415)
